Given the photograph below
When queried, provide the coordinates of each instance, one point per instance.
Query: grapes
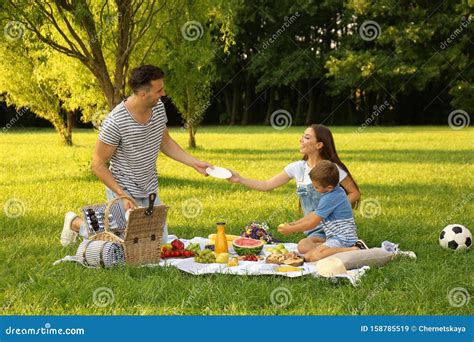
(205, 257)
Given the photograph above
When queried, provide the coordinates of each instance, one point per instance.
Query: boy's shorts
(335, 242)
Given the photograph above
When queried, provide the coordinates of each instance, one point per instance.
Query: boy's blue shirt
(334, 205)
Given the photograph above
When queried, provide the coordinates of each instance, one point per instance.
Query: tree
(402, 61)
(25, 86)
(101, 35)
(188, 54)
(107, 37)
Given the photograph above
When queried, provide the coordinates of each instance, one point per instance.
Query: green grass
(420, 176)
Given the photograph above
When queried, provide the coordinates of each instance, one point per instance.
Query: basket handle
(109, 207)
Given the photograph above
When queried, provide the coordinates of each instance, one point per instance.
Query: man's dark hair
(325, 173)
(141, 76)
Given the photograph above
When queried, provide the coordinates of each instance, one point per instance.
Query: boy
(334, 212)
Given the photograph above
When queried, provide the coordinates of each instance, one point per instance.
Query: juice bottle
(221, 240)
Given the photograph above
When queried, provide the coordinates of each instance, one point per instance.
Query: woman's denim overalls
(309, 199)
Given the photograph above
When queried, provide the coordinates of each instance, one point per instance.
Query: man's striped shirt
(133, 164)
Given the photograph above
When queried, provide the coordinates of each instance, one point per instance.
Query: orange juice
(221, 240)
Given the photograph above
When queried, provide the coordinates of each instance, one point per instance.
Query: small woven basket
(143, 233)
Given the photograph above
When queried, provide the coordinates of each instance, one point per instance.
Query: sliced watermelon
(246, 246)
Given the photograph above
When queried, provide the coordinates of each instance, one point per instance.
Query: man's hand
(127, 204)
(285, 229)
(201, 166)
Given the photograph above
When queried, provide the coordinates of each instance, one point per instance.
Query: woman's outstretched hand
(235, 177)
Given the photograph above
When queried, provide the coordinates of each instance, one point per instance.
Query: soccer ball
(455, 236)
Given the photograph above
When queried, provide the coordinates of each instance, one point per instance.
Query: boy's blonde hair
(325, 173)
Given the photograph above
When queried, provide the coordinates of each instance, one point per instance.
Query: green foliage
(407, 56)
(28, 83)
(87, 48)
(188, 54)
(319, 68)
(251, 58)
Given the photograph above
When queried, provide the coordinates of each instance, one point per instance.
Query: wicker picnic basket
(143, 233)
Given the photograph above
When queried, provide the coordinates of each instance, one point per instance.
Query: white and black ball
(455, 236)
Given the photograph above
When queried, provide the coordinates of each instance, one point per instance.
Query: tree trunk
(227, 101)
(350, 112)
(191, 134)
(247, 94)
(299, 119)
(70, 118)
(66, 136)
(309, 113)
(236, 94)
(108, 89)
(378, 102)
(365, 101)
(271, 101)
(318, 110)
(62, 127)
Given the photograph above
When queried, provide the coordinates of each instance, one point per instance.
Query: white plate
(219, 172)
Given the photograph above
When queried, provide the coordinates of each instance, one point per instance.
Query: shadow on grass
(412, 189)
(86, 176)
(374, 155)
(408, 156)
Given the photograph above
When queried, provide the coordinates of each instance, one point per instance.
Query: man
(131, 137)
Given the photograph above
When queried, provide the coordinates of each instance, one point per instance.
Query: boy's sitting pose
(334, 212)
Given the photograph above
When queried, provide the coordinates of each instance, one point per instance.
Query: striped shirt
(336, 213)
(133, 163)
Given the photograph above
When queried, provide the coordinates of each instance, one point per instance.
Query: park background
(392, 79)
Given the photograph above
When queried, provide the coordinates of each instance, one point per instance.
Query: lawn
(422, 177)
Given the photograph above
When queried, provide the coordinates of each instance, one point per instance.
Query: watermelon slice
(246, 246)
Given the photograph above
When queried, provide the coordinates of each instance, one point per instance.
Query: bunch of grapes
(205, 257)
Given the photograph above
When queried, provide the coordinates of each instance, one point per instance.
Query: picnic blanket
(251, 268)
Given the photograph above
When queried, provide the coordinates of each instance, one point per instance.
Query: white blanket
(251, 267)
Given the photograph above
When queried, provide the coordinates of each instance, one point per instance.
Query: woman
(316, 144)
